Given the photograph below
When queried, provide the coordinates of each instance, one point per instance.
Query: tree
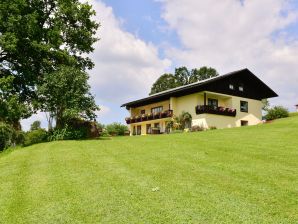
(277, 112)
(38, 36)
(65, 93)
(202, 74)
(116, 129)
(266, 104)
(11, 106)
(35, 125)
(164, 82)
(182, 77)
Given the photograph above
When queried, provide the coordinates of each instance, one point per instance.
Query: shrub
(116, 129)
(176, 131)
(6, 133)
(36, 136)
(277, 112)
(18, 137)
(197, 128)
(213, 128)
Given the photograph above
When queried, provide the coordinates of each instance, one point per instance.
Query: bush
(213, 127)
(176, 131)
(18, 137)
(277, 112)
(197, 128)
(6, 134)
(116, 129)
(36, 136)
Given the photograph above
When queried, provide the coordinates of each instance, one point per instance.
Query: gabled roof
(258, 89)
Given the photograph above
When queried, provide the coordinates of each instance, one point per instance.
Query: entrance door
(139, 130)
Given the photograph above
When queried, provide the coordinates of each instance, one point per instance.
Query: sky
(141, 40)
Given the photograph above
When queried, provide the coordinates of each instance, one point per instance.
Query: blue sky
(140, 40)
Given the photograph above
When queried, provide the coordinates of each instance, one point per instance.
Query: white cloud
(229, 35)
(125, 66)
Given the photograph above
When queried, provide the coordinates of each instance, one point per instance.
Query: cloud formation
(230, 35)
(125, 66)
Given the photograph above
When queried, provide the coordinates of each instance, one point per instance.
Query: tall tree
(65, 93)
(182, 77)
(164, 82)
(11, 106)
(202, 74)
(37, 36)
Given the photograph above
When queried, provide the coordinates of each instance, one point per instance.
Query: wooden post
(204, 99)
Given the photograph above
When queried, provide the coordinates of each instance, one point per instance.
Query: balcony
(205, 109)
(149, 117)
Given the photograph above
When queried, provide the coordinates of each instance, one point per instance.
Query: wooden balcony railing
(205, 109)
(149, 117)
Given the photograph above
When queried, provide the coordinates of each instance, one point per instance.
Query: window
(243, 106)
(231, 86)
(244, 123)
(156, 109)
(241, 88)
(156, 125)
(142, 111)
(213, 103)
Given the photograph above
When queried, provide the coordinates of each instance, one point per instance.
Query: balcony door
(139, 130)
(213, 103)
(148, 128)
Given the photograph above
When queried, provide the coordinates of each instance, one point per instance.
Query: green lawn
(240, 175)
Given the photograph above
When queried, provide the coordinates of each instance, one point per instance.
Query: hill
(240, 175)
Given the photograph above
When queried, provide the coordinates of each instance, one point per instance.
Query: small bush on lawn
(116, 129)
(176, 131)
(197, 128)
(36, 136)
(6, 134)
(277, 112)
(213, 127)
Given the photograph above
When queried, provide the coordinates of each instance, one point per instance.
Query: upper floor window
(243, 106)
(231, 86)
(213, 102)
(241, 88)
(156, 109)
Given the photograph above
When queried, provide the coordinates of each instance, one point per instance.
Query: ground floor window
(244, 123)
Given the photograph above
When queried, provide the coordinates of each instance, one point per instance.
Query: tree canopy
(181, 77)
(37, 37)
(65, 93)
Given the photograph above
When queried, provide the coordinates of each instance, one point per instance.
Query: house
(225, 101)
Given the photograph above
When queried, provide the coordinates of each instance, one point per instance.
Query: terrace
(207, 109)
(149, 117)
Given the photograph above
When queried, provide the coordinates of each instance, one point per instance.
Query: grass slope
(241, 175)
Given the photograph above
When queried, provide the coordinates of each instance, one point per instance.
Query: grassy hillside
(241, 175)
